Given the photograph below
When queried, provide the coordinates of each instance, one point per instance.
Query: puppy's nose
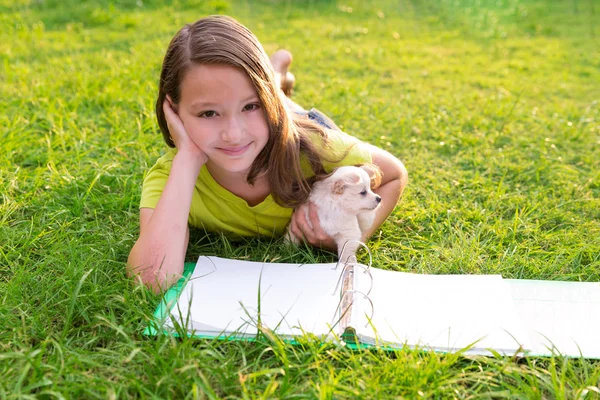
(378, 199)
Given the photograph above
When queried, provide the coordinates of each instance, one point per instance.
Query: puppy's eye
(363, 193)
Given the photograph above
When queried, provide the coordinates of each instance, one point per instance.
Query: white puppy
(346, 207)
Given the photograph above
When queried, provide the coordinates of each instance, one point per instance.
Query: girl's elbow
(401, 174)
(394, 171)
(143, 270)
(134, 261)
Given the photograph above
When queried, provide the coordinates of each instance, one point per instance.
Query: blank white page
(565, 315)
(443, 312)
(222, 296)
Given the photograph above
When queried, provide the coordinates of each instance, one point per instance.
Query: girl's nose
(233, 132)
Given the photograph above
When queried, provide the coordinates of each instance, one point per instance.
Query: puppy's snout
(378, 199)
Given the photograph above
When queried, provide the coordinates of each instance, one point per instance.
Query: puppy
(346, 206)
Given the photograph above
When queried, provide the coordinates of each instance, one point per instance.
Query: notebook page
(565, 315)
(222, 295)
(443, 312)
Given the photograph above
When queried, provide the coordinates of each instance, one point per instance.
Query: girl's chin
(241, 168)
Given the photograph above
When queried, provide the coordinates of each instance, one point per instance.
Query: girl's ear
(173, 105)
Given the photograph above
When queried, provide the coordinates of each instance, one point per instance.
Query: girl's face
(223, 115)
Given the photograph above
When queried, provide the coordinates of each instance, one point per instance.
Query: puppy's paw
(365, 220)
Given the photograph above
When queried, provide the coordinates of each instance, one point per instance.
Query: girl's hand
(311, 229)
(180, 137)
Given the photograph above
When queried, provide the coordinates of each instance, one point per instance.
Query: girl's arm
(393, 181)
(159, 253)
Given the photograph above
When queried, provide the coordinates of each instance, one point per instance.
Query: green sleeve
(342, 149)
(155, 180)
(340, 143)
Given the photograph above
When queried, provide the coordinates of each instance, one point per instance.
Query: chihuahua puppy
(346, 206)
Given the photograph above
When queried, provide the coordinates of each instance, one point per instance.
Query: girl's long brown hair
(223, 40)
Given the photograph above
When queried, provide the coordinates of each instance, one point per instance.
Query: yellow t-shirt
(216, 209)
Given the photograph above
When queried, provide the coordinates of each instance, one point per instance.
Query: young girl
(242, 155)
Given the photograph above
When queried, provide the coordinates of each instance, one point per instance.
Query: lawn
(494, 106)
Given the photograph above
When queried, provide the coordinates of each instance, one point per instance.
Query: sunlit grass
(493, 106)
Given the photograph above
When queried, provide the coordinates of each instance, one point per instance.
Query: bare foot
(281, 61)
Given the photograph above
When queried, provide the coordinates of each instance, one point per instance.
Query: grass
(492, 105)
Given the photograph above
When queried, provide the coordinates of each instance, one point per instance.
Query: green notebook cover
(170, 298)
(576, 296)
(168, 301)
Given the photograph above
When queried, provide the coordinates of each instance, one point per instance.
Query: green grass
(492, 105)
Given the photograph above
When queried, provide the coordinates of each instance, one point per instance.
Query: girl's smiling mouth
(235, 151)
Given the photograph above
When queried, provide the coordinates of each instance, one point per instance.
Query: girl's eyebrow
(202, 104)
(209, 104)
(250, 98)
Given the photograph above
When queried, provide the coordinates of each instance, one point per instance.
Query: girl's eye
(363, 193)
(251, 107)
(208, 114)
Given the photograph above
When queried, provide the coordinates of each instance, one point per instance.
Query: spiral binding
(346, 312)
(346, 279)
(366, 268)
(363, 245)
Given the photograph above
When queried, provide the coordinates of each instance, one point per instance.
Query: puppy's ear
(353, 178)
(374, 173)
(338, 187)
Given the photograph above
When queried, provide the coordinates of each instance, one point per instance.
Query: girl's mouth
(235, 151)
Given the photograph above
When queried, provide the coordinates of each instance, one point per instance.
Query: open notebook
(227, 298)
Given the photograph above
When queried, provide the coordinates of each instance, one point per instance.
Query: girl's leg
(281, 61)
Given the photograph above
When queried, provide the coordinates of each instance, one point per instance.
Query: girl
(242, 154)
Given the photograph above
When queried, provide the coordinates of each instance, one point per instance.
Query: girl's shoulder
(337, 148)
(166, 159)
(155, 179)
(331, 136)
(344, 149)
